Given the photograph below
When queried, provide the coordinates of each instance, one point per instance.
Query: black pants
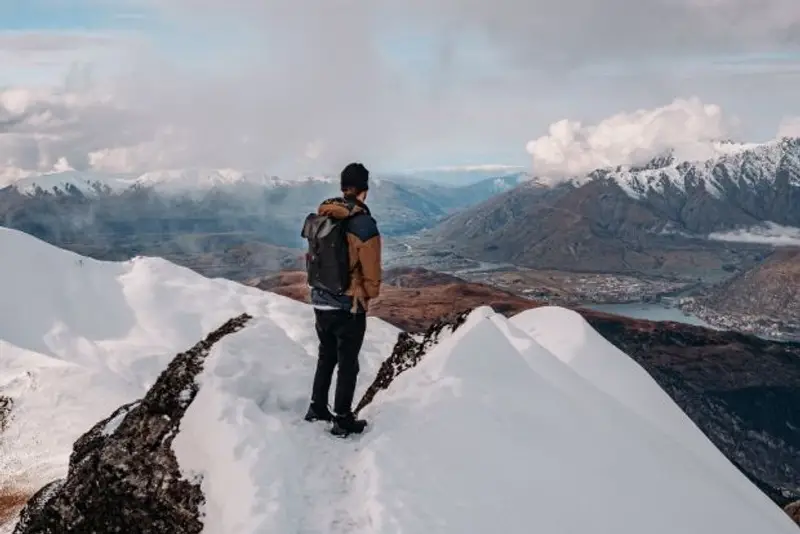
(341, 334)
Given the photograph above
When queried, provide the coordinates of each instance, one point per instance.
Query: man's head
(354, 181)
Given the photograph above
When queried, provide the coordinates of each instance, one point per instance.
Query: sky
(306, 86)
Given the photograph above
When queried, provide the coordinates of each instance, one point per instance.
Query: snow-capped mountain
(401, 207)
(744, 184)
(751, 164)
(652, 218)
(193, 182)
(219, 222)
(495, 424)
(196, 182)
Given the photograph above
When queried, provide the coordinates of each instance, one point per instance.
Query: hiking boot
(315, 413)
(347, 424)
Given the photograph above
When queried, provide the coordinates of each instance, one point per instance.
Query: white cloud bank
(768, 234)
(693, 130)
(308, 86)
(687, 126)
(47, 130)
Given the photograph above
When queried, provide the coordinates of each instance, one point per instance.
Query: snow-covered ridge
(200, 181)
(174, 181)
(745, 164)
(500, 427)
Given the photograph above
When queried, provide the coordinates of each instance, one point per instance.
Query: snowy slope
(749, 166)
(533, 424)
(80, 337)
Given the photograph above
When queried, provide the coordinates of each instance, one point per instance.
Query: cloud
(544, 32)
(39, 128)
(687, 126)
(768, 234)
(302, 87)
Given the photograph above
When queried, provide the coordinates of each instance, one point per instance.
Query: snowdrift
(533, 424)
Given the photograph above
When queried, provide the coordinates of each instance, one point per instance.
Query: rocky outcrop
(407, 353)
(793, 510)
(123, 475)
(6, 403)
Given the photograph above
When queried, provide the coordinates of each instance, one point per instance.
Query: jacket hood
(339, 208)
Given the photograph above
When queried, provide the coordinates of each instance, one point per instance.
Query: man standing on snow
(344, 274)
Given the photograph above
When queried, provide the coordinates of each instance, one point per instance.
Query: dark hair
(350, 192)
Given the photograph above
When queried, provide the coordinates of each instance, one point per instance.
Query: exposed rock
(793, 510)
(407, 353)
(123, 475)
(35, 505)
(6, 403)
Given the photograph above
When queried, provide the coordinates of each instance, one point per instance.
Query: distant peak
(665, 159)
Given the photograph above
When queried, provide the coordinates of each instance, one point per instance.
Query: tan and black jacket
(364, 247)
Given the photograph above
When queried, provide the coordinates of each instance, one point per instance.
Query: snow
(528, 424)
(169, 181)
(183, 180)
(749, 165)
(85, 182)
(113, 424)
(694, 134)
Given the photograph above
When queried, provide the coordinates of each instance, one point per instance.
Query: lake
(651, 312)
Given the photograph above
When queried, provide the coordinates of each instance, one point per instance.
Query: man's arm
(368, 246)
(369, 254)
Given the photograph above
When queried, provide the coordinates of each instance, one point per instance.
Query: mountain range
(144, 397)
(219, 222)
(652, 219)
(657, 219)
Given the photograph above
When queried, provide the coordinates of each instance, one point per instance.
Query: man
(341, 314)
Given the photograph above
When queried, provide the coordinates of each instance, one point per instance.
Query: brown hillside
(412, 299)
